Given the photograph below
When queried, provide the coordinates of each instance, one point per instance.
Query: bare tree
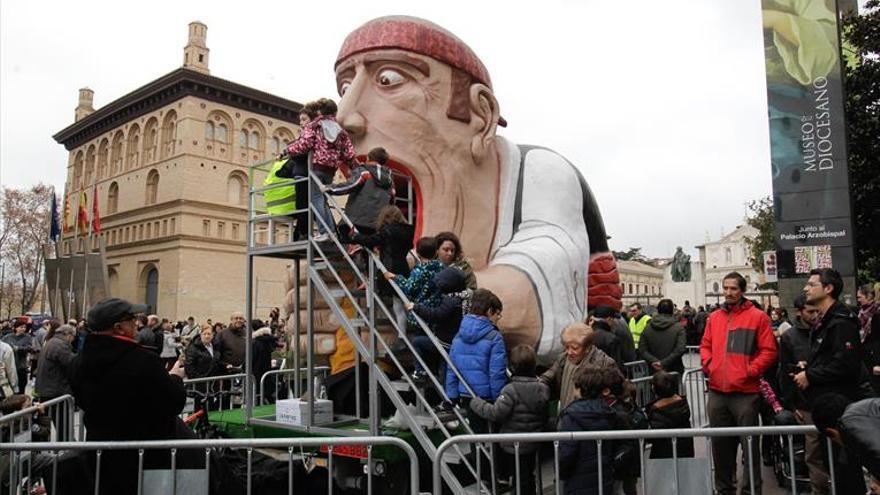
(25, 225)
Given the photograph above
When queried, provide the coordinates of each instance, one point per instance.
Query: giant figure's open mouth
(409, 193)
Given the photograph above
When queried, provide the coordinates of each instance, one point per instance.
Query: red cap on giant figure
(418, 36)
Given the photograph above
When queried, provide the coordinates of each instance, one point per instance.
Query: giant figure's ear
(484, 119)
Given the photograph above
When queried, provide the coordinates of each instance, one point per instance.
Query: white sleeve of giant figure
(547, 240)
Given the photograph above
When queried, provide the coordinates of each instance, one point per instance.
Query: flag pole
(71, 295)
(86, 251)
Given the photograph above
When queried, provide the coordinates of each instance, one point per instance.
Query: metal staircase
(349, 291)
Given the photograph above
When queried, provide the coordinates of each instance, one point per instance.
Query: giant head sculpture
(525, 215)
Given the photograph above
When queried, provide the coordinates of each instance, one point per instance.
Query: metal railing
(695, 387)
(375, 307)
(644, 392)
(636, 369)
(691, 358)
(222, 386)
(606, 439)
(61, 411)
(17, 450)
(296, 373)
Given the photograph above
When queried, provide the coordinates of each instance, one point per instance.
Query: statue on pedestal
(681, 266)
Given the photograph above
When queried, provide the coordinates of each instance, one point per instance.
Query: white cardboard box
(296, 411)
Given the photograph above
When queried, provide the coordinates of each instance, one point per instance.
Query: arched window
(715, 287)
(116, 156)
(255, 143)
(728, 256)
(151, 141)
(90, 166)
(134, 142)
(242, 138)
(103, 150)
(220, 129)
(152, 187)
(274, 145)
(150, 281)
(77, 170)
(280, 139)
(113, 276)
(236, 189)
(112, 198)
(169, 134)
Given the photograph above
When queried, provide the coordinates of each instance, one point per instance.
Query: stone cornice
(176, 241)
(174, 207)
(168, 89)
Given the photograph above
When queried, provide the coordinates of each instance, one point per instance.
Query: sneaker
(321, 238)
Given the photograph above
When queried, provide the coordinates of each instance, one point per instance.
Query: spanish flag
(82, 216)
(96, 217)
(67, 225)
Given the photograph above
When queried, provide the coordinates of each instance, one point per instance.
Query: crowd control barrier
(59, 411)
(194, 481)
(675, 475)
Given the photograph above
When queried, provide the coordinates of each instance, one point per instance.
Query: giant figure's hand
(521, 320)
(603, 281)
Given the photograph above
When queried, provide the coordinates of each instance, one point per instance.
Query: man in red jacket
(737, 348)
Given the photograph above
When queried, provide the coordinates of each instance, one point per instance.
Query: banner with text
(807, 137)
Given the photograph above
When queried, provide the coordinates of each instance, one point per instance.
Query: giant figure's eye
(343, 88)
(389, 77)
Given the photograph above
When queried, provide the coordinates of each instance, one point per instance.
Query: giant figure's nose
(349, 113)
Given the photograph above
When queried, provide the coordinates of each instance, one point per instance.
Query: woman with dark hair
(450, 254)
(393, 237)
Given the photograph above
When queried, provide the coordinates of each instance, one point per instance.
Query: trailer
(327, 275)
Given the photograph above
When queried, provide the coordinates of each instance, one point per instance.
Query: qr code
(802, 259)
(807, 258)
(823, 256)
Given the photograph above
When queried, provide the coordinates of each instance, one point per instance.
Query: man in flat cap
(125, 392)
(525, 215)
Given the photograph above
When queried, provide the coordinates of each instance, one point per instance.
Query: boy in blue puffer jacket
(479, 354)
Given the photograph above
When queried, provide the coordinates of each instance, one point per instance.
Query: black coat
(263, 345)
(579, 461)
(871, 353)
(394, 240)
(835, 363)
(620, 329)
(126, 394)
(199, 362)
(664, 340)
(53, 369)
(520, 408)
(370, 189)
(608, 343)
(152, 338)
(671, 416)
(794, 347)
(445, 318)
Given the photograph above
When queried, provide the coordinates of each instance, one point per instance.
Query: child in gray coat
(521, 407)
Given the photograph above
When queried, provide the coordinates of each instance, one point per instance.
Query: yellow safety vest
(280, 200)
(637, 327)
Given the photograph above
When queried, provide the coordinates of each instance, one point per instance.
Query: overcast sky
(661, 104)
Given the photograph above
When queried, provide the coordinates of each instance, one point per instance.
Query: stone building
(640, 282)
(729, 253)
(170, 164)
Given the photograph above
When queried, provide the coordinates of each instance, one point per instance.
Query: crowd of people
(823, 368)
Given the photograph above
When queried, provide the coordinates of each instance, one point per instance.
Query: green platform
(231, 423)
